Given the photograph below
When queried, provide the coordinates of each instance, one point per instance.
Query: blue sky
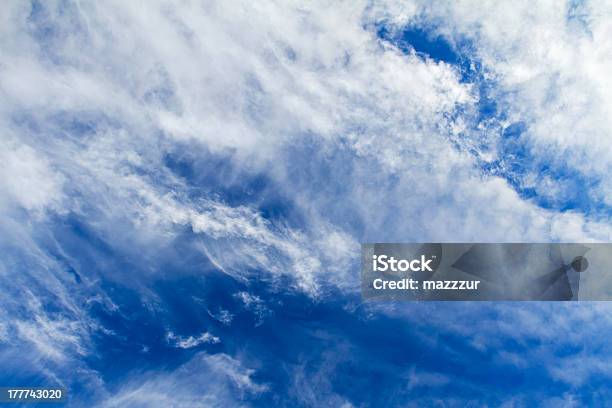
(184, 190)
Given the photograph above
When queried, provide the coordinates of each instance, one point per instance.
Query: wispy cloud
(191, 341)
(206, 380)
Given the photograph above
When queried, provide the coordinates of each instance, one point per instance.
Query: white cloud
(418, 379)
(549, 62)
(222, 316)
(28, 180)
(191, 341)
(255, 305)
(204, 381)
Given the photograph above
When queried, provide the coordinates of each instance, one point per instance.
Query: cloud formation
(152, 147)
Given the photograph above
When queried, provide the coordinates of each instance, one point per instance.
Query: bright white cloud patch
(191, 341)
(28, 180)
(550, 63)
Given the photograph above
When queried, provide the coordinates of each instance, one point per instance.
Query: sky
(185, 187)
